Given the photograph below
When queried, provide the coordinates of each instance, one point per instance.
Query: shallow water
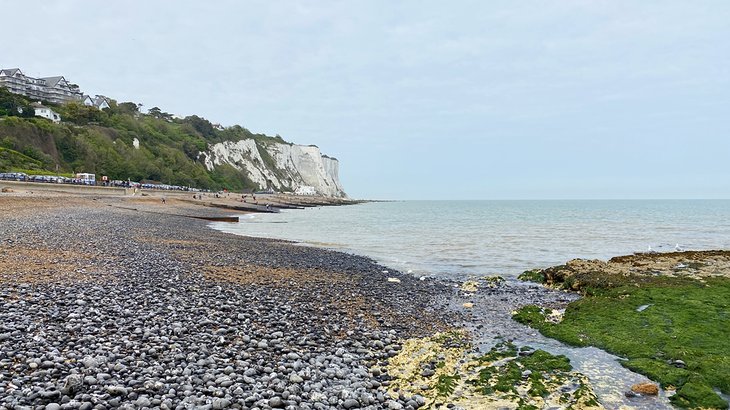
(609, 379)
(491, 322)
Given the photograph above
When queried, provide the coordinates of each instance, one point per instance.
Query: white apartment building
(52, 89)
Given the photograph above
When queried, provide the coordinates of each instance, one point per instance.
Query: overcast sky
(424, 99)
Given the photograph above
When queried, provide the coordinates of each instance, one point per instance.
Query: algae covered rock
(665, 313)
(534, 275)
(445, 372)
(470, 286)
(493, 281)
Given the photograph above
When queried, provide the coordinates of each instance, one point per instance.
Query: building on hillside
(14, 80)
(98, 101)
(45, 112)
(59, 90)
(51, 89)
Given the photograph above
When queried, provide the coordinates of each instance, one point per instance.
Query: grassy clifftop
(171, 150)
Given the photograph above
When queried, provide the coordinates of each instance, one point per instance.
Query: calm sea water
(458, 239)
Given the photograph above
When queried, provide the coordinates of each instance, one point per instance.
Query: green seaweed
(583, 392)
(686, 320)
(543, 362)
(493, 281)
(534, 275)
(696, 393)
(508, 375)
(451, 338)
(659, 370)
(530, 315)
(500, 351)
(446, 384)
(524, 406)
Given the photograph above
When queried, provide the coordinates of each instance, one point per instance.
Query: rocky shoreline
(664, 314)
(105, 305)
(133, 302)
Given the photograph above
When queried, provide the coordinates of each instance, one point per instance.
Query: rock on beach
(647, 389)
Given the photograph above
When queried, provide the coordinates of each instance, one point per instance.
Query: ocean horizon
(458, 239)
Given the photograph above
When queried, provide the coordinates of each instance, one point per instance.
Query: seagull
(678, 248)
(650, 250)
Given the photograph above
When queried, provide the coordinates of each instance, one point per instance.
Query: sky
(570, 99)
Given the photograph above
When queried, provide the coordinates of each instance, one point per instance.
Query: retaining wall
(76, 189)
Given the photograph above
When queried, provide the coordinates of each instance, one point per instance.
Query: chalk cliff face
(282, 167)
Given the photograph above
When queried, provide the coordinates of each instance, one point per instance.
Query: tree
(203, 126)
(159, 114)
(128, 108)
(80, 114)
(14, 105)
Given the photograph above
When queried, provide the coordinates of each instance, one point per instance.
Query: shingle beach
(108, 302)
(111, 301)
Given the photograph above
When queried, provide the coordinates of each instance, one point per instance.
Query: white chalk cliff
(282, 167)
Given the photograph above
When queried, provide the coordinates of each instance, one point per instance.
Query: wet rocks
(647, 389)
(678, 364)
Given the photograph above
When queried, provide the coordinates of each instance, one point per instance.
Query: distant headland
(48, 126)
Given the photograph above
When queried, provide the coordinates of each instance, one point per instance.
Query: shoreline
(122, 306)
(486, 311)
(353, 294)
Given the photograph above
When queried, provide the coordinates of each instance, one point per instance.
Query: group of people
(243, 199)
(253, 197)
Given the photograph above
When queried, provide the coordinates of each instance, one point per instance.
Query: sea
(460, 239)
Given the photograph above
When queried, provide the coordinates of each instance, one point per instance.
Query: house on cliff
(45, 112)
(98, 101)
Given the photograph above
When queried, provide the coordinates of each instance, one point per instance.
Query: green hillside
(101, 142)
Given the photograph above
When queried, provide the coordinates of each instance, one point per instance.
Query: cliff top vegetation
(171, 150)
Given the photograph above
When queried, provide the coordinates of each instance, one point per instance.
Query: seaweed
(521, 375)
(534, 275)
(446, 384)
(680, 342)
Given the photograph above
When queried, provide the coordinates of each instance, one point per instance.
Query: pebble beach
(112, 302)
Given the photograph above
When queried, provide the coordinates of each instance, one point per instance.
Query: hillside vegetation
(171, 151)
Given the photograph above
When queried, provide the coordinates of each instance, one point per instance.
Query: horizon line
(538, 199)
